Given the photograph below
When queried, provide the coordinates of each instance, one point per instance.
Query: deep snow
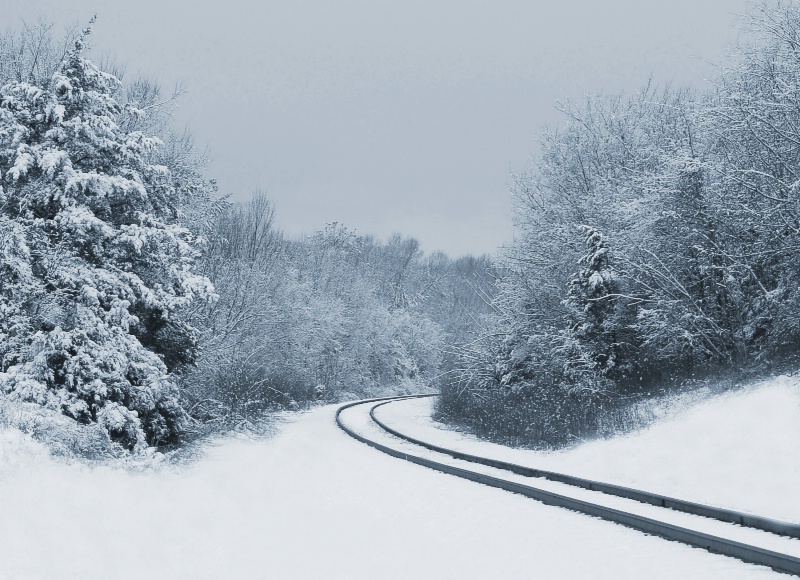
(308, 503)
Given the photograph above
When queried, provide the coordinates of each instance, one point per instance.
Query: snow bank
(308, 503)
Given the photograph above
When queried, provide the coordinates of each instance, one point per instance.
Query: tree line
(657, 239)
(655, 245)
(330, 317)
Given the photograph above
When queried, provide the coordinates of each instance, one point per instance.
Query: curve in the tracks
(723, 515)
(741, 551)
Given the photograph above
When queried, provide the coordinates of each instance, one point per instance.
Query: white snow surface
(738, 450)
(311, 502)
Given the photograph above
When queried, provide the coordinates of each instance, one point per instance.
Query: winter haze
(391, 116)
(188, 380)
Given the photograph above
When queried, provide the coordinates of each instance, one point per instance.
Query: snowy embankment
(738, 450)
(308, 503)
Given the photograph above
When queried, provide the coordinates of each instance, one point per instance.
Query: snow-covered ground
(308, 503)
(738, 450)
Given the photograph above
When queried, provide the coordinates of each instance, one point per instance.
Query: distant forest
(656, 242)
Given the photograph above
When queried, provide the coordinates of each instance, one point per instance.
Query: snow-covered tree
(95, 267)
(593, 321)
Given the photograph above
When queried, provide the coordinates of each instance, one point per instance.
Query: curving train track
(747, 537)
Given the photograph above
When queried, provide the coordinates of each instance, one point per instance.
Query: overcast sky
(392, 116)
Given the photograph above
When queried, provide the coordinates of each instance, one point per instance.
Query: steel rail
(721, 514)
(744, 552)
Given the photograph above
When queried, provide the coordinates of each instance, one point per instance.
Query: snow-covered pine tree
(93, 264)
(591, 343)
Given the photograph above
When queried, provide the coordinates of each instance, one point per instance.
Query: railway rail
(436, 457)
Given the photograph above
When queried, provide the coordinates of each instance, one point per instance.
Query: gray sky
(392, 116)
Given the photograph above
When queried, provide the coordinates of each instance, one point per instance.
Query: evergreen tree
(94, 266)
(592, 343)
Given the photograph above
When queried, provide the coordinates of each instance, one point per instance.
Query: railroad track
(749, 538)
